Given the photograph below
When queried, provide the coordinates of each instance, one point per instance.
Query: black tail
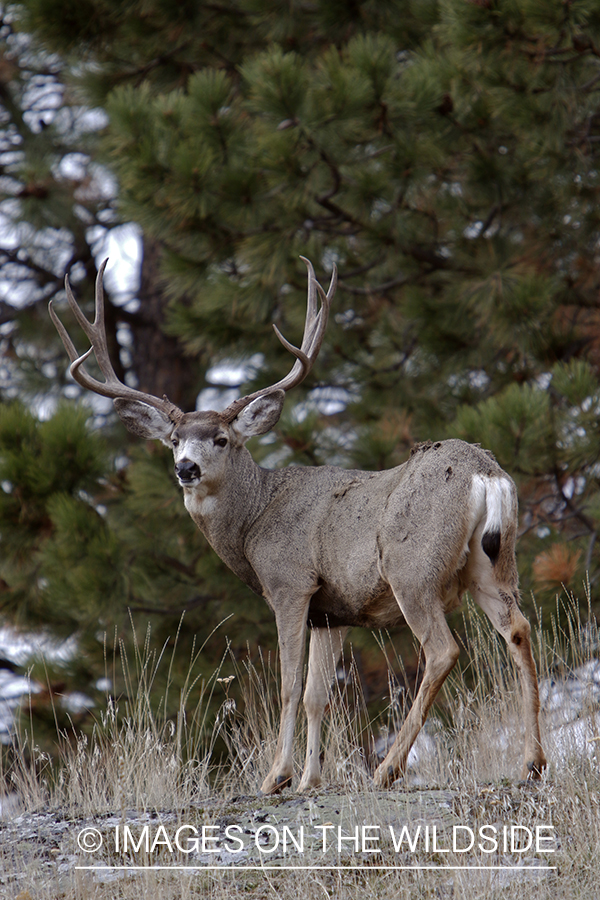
(491, 545)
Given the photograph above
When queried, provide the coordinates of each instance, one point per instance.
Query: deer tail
(500, 509)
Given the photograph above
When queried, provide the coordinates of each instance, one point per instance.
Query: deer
(330, 548)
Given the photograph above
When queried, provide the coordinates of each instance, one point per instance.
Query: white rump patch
(494, 496)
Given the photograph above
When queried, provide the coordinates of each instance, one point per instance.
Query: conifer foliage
(443, 155)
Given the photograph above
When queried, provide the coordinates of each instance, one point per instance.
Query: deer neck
(224, 512)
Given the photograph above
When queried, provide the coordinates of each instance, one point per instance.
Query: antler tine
(314, 331)
(76, 370)
(97, 336)
(316, 319)
(63, 334)
(313, 285)
(95, 332)
(112, 387)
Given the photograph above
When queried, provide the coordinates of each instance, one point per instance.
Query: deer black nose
(186, 470)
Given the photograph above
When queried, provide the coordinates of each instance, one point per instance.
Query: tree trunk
(158, 359)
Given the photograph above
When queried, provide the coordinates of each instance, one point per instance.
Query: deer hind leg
(291, 630)
(424, 614)
(324, 653)
(495, 590)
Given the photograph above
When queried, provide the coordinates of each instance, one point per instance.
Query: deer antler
(95, 331)
(306, 354)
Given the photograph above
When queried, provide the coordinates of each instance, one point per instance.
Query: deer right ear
(144, 421)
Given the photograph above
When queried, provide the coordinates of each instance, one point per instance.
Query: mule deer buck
(331, 548)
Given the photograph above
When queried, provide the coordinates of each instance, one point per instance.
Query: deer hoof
(273, 784)
(533, 768)
(385, 776)
(308, 784)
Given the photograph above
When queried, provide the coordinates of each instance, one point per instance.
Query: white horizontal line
(309, 868)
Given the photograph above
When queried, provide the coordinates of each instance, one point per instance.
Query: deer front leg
(291, 629)
(325, 650)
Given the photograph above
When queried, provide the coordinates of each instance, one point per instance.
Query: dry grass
(140, 768)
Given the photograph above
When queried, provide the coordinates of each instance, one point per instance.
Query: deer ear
(144, 421)
(259, 416)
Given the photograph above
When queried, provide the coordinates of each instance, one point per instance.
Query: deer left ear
(259, 416)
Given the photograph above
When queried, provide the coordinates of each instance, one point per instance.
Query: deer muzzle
(187, 471)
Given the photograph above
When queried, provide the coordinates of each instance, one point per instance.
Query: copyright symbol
(89, 840)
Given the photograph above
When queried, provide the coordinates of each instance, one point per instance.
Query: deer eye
(221, 442)
(175, 441)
